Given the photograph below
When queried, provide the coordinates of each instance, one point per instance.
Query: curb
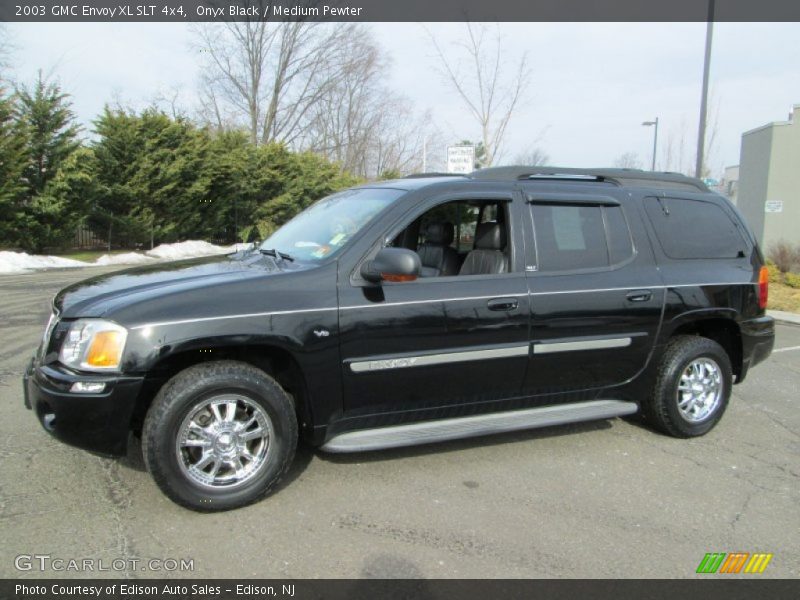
(784, 317)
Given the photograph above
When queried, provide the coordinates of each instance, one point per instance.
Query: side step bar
(428, 432)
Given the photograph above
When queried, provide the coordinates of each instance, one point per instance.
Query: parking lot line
(786, 349)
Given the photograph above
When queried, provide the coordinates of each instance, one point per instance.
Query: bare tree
(357, 121)
(490, 91)
(678, 152)
(169, 101)
(533, 157)
(629, 160)
(402, 143)
(352, 108)
(267, 75)
(6, 50)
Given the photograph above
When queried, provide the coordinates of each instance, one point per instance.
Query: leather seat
(488, 256)
(437, 257)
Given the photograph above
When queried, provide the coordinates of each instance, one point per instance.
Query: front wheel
(692, 388)
(219, 435)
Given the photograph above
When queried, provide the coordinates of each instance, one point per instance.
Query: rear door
(595, 294)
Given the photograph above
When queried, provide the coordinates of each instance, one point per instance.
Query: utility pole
(425, 154)
(701, 134)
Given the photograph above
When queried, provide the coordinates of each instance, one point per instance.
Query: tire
(219, 435)
(700, 366)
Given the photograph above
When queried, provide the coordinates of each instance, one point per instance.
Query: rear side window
(572, 237)
(694, 229)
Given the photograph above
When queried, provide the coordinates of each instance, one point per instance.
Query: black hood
(99, 296)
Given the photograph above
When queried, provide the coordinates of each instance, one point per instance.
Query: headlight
(93, 345)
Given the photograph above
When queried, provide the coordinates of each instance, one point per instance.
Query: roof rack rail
(620, 177)
(563, 176)
(434, 174)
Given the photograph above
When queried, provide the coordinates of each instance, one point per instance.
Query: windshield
(324, 228)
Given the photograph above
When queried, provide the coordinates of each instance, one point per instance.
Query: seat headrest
(490, 236)
(439, 234)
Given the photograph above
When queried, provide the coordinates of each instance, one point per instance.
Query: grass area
(89, 255)
(783, 297)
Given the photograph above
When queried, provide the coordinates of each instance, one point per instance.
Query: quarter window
(694, 229)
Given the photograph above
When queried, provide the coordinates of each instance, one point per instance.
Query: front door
(434, 346)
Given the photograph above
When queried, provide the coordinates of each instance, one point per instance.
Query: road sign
(773, 206)
(460, 159)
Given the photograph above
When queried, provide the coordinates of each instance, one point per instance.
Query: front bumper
(758, 339)
(96, 422)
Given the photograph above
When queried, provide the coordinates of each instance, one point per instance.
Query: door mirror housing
(392, 264)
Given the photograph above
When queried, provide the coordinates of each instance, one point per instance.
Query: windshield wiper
(276, 254)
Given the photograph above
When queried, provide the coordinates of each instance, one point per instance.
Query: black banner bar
(716, 588)
(397, 10)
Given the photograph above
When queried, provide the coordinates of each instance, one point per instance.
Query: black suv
(413, 311)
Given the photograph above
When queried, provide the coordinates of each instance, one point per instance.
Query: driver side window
(464, 237)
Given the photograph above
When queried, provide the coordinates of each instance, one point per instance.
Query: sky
(592, 84)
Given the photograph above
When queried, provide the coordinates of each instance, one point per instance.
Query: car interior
(459, 238)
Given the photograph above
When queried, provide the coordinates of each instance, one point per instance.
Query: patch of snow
(188, 249)
(22, 262)
(128, 258)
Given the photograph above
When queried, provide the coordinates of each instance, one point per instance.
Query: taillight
(763, 287)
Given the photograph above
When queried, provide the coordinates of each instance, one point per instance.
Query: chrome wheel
(224, 441)
(699, 390)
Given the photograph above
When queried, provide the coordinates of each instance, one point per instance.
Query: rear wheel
(692, 387)
(219, 435)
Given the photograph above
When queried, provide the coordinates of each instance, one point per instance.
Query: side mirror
(392, 264)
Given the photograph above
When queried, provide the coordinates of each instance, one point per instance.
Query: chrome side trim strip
(427, 301)
(243, 316)
(425, 360)
(548, 347)
(550, 293)
(463, 427)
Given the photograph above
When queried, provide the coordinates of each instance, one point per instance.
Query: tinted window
(325, 227)
(694, 229)
(569, 237)
(620, 245)
(461, 215)
(580, 237)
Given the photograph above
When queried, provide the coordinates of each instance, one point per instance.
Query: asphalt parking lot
(603, 499)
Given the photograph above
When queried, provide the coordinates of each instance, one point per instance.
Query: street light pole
(701, 133)
(655, 140)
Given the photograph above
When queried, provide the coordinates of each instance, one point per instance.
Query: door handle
(502, 303)
(639, 295)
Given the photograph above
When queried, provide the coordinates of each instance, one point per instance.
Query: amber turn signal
(397, 278)
(106, 349)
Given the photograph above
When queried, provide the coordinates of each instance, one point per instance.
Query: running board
(428, 432)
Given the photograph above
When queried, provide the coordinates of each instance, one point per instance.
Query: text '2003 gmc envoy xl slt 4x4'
(412, 311)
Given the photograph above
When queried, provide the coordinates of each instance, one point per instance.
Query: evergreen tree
(64, 204)
(116, 151)
(46, 112)
(13, 142)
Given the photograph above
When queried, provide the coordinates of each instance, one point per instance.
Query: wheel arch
(270, 356)
(719, 325)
